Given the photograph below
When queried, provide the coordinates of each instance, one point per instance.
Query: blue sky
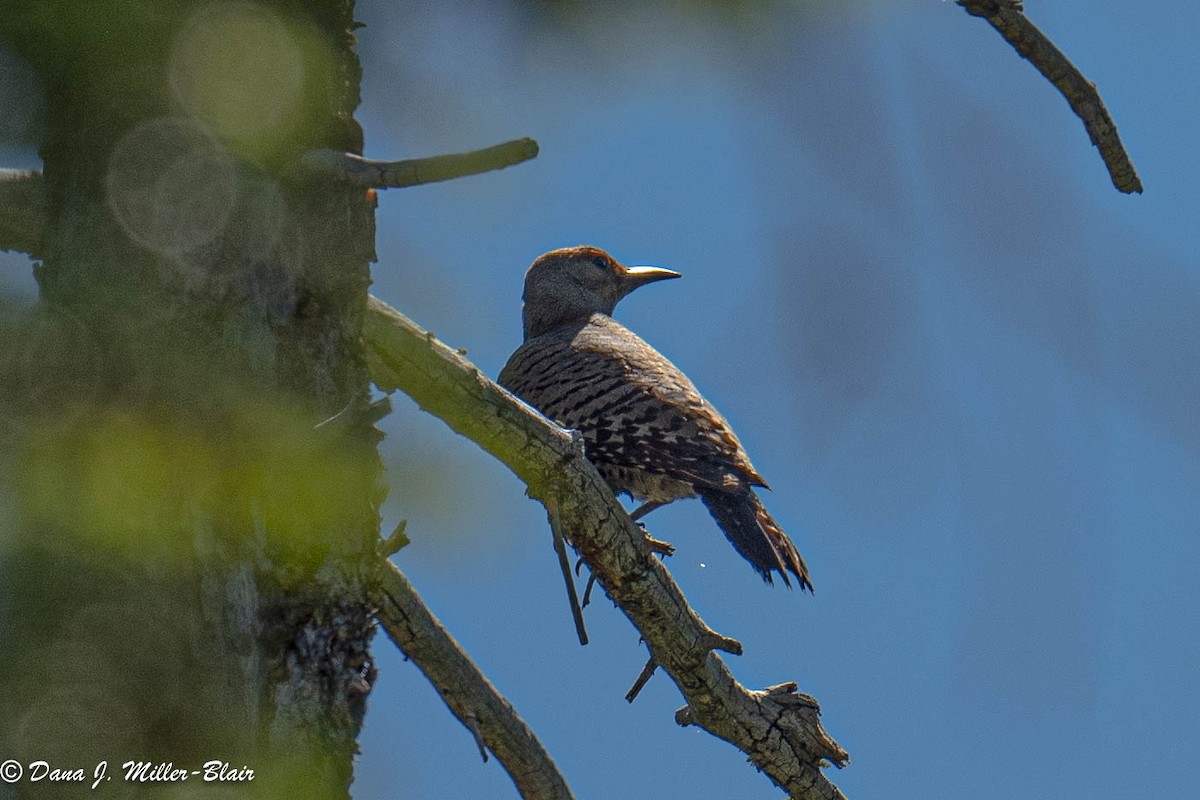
(967, 365)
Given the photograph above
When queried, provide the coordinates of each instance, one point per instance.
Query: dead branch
(372, 174)
(24, 209)
(780, 731)
(466, 691)
(1007, 17)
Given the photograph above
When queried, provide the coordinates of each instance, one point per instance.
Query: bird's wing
(633, 406)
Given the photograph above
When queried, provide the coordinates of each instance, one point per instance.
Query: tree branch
(24, 210)
(372, 174)
(779, 729)
(466, 691)
(1006, 17)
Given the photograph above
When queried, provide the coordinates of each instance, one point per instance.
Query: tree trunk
(190, 496)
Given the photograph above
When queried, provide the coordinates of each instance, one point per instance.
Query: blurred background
(967, 365)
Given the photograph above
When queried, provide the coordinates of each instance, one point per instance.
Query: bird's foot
(587, 591)
(664, 549)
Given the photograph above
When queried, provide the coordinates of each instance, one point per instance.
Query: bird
(645, 427)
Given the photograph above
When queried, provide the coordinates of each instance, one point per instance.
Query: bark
(187, 558)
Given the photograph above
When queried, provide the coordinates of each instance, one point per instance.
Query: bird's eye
(600, 261)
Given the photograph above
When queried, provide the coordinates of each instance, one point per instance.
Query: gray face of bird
(575, 282)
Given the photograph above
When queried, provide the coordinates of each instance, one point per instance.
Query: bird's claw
(664, 549)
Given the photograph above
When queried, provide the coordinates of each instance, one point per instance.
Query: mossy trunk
(186, 550)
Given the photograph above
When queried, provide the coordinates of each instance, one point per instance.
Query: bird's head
(575, 282)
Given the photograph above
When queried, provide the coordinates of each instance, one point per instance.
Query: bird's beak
(633, 277)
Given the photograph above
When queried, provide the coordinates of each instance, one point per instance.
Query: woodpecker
(645, 427)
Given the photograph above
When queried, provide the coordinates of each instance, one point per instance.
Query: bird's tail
(754, 534)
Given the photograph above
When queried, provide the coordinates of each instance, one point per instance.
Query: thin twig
(370, 173)
(466, 691)
(472, 723)
(1006, 17)
(642, 678)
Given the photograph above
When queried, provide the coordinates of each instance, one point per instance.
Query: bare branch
(469, 695)
(24, 210)
(1006, 17)
(782, 737)
(372, 174)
